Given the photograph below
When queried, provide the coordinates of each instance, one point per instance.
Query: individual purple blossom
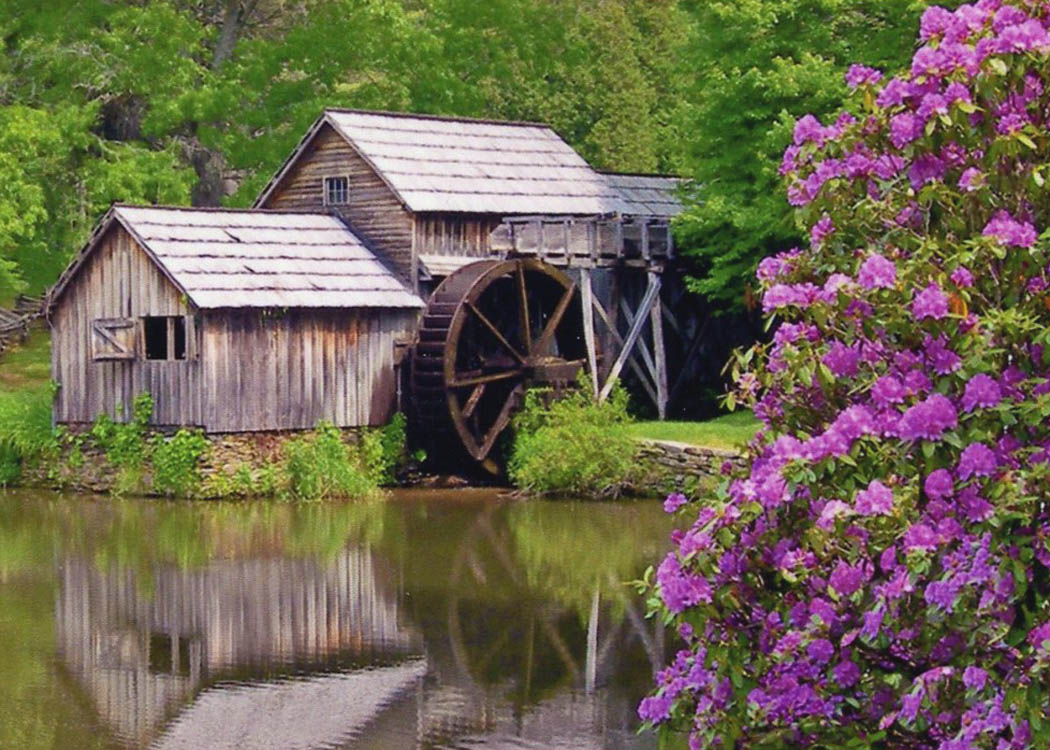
(930, 303)
(921, 537)
(982, 391)
(934, 22)
(820, 651)
(1010, 232)
(808, 129)
(928, 419)
(876, 500)
(846, 579)
(789, 295)
(678, 588)
(961, 277)
(823, 229)
(861, 75)
(772, 268)
(971, 179)
(976, 460)
(842, 360)
(877, 272)
(957, 92)
(1039, 637)
(939, 484)
(893, 94)
(887, 390)
(904, 128)
(939, 357)
(943, 594)
(1011, 123)
(846, 673)
(974, 678)
(832, 509)
(973, 507)
(674, 501)
(655, 708)
(1023, 37)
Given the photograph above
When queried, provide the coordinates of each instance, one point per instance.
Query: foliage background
(199, 101)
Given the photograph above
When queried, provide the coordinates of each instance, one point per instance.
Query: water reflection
(454, 621)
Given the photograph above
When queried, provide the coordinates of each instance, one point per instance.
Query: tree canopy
(181, 101)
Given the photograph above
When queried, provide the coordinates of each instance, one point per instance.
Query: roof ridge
(222, 209)
(442, 118)
(614, 173)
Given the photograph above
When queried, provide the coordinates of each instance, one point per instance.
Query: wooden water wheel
(491, 330)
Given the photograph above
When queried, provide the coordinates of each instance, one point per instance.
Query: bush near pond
(879, 576)
(573, 445)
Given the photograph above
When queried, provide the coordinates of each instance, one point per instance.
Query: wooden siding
(281, 372)
(374, 210)
(441, 234)
(120, 281)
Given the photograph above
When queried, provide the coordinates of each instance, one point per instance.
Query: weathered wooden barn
(524, 260)
(231, 320)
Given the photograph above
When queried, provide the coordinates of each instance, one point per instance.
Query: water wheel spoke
(473, 399)
(523, 309)
(502, 420)
(463, 381)
(555, 320)
(494, 331)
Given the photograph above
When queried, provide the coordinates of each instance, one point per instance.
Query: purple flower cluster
(1008, 231)
(879, 564)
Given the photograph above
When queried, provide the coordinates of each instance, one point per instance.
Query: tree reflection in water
(428, 620)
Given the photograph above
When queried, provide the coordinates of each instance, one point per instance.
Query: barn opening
(165, 337)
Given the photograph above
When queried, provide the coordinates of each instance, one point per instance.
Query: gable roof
(252, 258)
(462, 165)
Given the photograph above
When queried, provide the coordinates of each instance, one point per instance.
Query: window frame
(325, 192)
(188, 350)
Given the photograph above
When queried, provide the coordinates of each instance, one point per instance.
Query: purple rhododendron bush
(880, 576)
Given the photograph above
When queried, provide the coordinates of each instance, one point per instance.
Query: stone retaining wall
(674, 466)
(92, 472)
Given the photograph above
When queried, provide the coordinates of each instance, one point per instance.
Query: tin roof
(253, 258)
(647, 194)
(473, 166)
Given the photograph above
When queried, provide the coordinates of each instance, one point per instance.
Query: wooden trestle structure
(618, 263)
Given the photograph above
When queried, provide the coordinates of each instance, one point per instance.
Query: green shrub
(393, 440)
(573, 445)
(125, 445)
(26, 434)
(175, 462)
(320, 465)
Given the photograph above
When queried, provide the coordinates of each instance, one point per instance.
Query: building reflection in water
(357, 650)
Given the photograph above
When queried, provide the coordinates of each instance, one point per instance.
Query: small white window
(336, 191)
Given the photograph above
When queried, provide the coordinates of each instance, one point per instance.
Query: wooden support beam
(656, 319)
(650, 364)
(652, 294)
(587, 297)
(669, 316)
(632, 360)
(646, 249)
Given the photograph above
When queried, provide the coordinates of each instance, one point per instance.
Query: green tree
(755, 63)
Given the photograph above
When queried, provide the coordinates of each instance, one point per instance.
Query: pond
(437, 619)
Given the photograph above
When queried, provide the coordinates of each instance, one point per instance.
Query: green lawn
(27, 366)
(728, 431)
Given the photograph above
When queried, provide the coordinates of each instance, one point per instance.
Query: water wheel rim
(467, 307)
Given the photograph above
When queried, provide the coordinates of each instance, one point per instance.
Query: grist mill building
(483, 256)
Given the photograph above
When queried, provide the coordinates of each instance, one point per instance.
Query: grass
(727, 431)
(27, 366)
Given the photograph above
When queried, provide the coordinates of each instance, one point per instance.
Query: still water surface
(452, 619)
